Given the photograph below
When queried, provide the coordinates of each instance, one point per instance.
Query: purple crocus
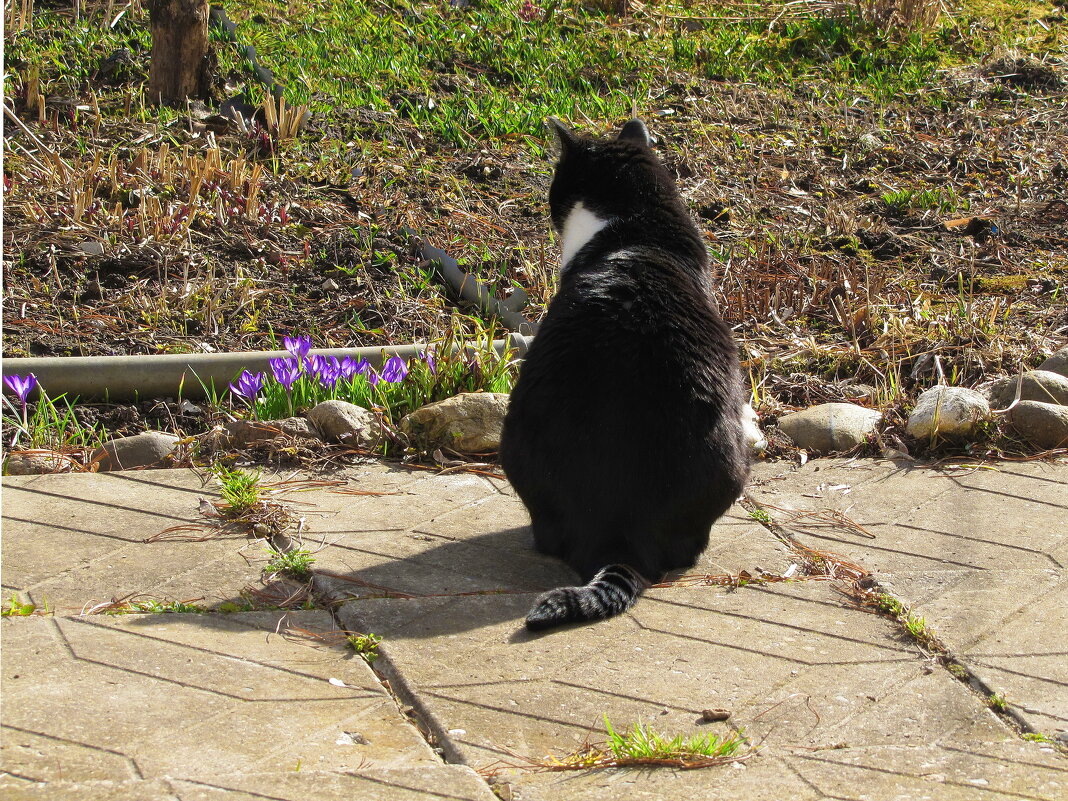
(329, 371)
(428, 357)
(298, 346)
(316, 363)
(286, 371)
(350, 367)
(248, 385)
(394, 370)
(21, 386)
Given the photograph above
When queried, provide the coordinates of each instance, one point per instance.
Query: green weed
(366, 645)
(17, 608)
(943, 200)
(997, 702)
(230, 607)
(957, 670)
(1037, 737)
(760, 515)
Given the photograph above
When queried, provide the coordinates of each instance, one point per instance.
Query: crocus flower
(248, 385)
(286, 371)
(298, 346)
(428, 357)
(394, 370)
(329, 371)
(372, 377)
(315, 364)
(350, 367)
(22, 387)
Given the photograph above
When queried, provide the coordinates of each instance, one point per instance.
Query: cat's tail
(611, 592)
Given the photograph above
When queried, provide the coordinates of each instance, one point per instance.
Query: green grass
(155, 607)
(642, 742)
(915, 625)
(296, 563)
(47, 424)
(484, 72)
(240, 489)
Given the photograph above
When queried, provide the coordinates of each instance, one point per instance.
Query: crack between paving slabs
(408, 703)
(862, 587)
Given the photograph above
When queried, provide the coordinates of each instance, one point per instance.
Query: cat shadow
(408, 591)
(455, 586)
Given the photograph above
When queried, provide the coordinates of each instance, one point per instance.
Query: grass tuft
(998, 702)
(296, 563)
(240, 490)
(17, 608)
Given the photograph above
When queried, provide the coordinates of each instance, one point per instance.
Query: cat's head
(613, 178)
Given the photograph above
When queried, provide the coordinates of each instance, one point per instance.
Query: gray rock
(869, 141)
(1057, 363)
(140, 450)
(1036, 385)
(249, 432)
(1044, 425)
(26, 463)
(859, 391)
(346, 422)
(830, 426)
(947, 412)
(470, 422)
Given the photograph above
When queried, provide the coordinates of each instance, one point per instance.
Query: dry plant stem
(61, 166)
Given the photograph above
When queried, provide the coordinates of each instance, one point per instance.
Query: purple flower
(428, 357)
(298, 346)
(316, 363)
(350, 367)
(372, 377)
(248, 385)
(394, 370)
(286, 371)
(22, 387)
(329, 371)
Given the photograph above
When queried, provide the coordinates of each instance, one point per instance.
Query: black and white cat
(625, 436)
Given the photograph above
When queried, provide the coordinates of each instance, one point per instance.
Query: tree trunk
(179, 49)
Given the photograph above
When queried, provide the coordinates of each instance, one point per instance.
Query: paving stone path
(840, 702)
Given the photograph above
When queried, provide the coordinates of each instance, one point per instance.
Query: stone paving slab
(71, 541)
(979, 553)
(121, 706)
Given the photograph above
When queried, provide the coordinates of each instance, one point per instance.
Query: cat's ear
(567, 138)
(635, 131)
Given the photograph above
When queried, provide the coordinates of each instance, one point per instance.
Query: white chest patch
(580, 227)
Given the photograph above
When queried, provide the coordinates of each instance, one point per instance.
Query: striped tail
(611, 592)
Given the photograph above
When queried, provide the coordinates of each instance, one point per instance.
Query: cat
(624, 435)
